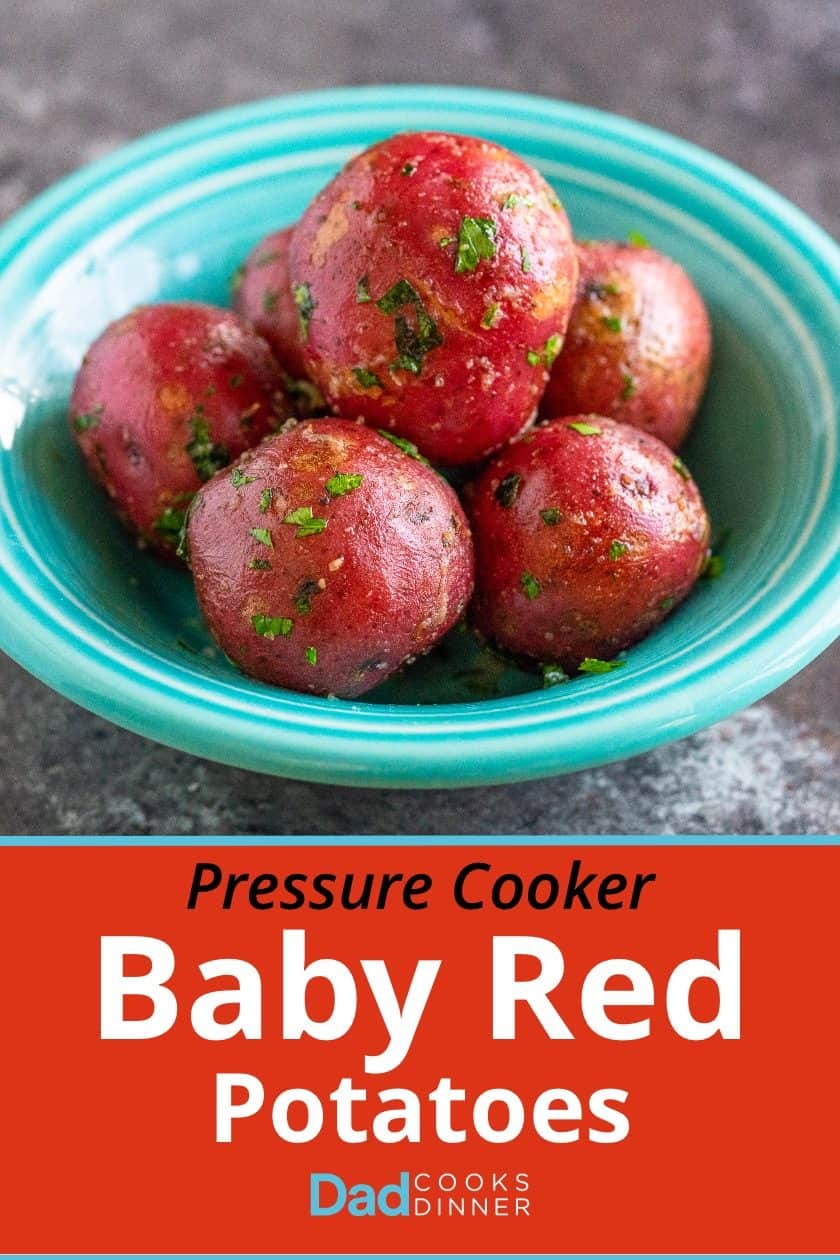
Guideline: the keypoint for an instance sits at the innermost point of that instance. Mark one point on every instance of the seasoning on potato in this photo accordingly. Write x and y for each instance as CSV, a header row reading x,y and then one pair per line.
x,y
433,278
165,397
638,343
329,557
587,534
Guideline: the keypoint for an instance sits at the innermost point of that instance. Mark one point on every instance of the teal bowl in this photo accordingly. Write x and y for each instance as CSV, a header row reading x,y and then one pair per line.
x,y
172,215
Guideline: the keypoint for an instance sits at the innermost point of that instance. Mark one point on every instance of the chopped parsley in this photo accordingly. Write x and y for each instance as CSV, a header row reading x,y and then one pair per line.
x,y
265,499
679,467
312,653
476,240
667,603
585,429
236,380
238,478
408,169
170,523
366,378
343,483
591,665
306,523
507,490
534,358
260,564
207,457
407,447
530,585
446,240
525,259
262,536
363,290
548,354
713,565
510,201
612,322
413,344
87,419
618,549
305,304
488,319
636,238
552,675
270,627
551,516
269,301
307,395
628,386
306,592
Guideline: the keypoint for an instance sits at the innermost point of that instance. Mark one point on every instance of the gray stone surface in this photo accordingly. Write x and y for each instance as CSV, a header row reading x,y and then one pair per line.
x,y
755,80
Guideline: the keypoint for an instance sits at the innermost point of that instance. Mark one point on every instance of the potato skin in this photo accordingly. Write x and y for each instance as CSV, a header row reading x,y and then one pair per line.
x,y
459,365
263,295
638,344
388,573
164,397
602,535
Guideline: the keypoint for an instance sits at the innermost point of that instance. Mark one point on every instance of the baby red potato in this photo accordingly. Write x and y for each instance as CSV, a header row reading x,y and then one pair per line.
x,y
587,533
263,295
638,344
328,557
434,278
165,397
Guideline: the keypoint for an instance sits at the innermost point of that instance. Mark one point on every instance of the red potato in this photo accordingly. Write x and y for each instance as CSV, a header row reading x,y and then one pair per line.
x,y
638,344
327,558
165,397
587,533
434,278
263,295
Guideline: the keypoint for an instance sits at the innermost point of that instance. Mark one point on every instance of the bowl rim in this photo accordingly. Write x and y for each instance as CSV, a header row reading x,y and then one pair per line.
x,y
377,745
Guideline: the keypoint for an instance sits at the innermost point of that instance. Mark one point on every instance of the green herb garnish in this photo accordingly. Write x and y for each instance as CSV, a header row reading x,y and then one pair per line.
x,y
534,358
628,386
306,523
305,304
552,675
170,523
591,665
363,290
312,655
265,499
551,516
260,564
507,490
679,467
236,380
612,322
207,457
87,419
413,344
407,447
525,259
636,238
343,483
510,201
366,378
552,348
585,429
408,169
270,627
489,316
617,549
306,592
530,585
263,536
475,241
238,478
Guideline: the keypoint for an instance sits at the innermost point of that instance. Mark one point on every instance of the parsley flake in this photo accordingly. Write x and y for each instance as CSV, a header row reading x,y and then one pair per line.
x,y
87,419
507,490
585,430
407,447
170,523
530,585
618,549
265,499
343,483
636,238
551,515
534,358
363,290
306,592
263,536
306,523
628,386
270,627
238,478
525,259
312,655
236,380
591,665
207,457
510,201
305,304
260,564
408,169
612,322
553,674
476,240
488,319
413,344
366,378
679,467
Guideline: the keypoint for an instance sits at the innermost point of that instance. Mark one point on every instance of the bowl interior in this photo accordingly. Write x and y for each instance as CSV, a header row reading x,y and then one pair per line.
x,y
176,225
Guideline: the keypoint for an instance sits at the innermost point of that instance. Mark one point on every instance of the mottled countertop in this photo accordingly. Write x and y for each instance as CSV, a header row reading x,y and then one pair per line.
x,y
754,80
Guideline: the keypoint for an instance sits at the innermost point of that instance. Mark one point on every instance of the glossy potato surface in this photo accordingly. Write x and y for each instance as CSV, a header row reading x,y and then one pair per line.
x,y
165,397
638,344
434,277
587,533
327,558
